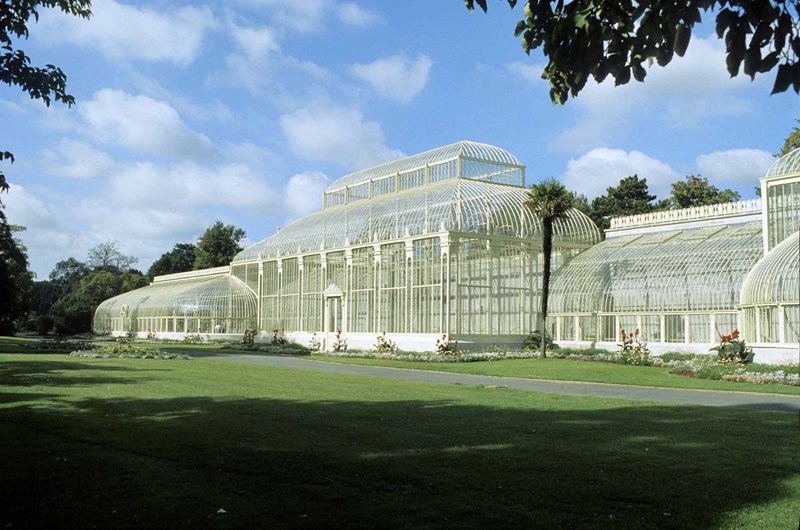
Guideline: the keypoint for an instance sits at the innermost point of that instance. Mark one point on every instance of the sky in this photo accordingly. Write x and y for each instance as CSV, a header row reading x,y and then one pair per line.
x,y
243,111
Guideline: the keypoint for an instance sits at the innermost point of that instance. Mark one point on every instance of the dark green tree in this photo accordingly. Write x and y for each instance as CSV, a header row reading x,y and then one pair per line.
x,y
587,38
16,281
67,276
550,201
630,197
695,190
179,259
218,245
46,84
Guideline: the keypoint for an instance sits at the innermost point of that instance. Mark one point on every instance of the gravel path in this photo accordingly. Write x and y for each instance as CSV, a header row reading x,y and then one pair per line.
x,y
711,398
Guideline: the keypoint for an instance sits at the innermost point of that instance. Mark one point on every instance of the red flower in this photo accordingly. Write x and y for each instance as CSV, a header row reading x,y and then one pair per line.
x,y
636,332
735,334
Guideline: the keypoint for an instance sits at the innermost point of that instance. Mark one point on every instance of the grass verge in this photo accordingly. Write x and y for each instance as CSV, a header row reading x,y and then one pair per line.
x,y
584,371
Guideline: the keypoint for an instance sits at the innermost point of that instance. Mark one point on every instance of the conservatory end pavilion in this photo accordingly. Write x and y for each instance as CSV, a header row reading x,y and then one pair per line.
x,y
436,243
441,243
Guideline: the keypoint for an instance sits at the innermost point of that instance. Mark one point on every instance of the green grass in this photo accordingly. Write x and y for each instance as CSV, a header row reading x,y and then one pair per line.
x,y
147,443
566,370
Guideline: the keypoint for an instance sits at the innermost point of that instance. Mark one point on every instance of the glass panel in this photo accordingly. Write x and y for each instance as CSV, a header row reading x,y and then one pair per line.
x,y
675,330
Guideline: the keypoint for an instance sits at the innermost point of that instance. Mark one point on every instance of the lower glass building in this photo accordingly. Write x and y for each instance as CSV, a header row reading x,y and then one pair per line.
x,y
442,243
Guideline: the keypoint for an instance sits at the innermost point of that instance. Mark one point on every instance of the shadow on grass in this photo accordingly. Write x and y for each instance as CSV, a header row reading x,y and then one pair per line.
x,y
51,373
361,464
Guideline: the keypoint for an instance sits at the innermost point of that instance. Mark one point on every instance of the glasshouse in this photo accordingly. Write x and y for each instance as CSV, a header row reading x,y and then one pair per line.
x,y
441,243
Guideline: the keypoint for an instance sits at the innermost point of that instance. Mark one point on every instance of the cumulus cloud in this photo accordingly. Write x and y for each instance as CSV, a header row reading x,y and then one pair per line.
x,y
735,166
395,77
142,124
303,193
122,31
255,42
75,160
311,16
335,134
600,168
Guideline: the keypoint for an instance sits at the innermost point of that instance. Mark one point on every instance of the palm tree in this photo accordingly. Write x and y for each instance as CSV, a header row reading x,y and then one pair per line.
x,y
550,201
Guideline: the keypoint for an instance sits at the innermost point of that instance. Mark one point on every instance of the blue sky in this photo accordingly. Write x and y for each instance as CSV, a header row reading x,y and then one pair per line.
x,y
242,111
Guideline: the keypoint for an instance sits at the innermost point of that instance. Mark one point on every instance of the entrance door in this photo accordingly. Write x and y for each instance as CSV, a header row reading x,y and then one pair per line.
x,y
333,314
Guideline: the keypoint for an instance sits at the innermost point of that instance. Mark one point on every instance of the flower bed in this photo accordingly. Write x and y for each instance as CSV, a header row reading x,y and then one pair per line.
x,y
127,352
61,344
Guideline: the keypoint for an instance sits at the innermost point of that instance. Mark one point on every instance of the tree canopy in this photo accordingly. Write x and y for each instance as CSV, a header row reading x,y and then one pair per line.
x,y
217,246
107,256
587,38
695,190
179,259
792,141
630,197
46,83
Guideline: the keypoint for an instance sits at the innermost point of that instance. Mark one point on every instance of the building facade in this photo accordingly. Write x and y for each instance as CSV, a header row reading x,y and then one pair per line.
x,y
441,243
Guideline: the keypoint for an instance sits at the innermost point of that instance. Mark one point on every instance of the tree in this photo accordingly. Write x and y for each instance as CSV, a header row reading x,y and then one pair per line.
x,y
179,259
550,201
695,190
67,275
45,84
587,38
792,141
218,245
630,197
16,281
107,256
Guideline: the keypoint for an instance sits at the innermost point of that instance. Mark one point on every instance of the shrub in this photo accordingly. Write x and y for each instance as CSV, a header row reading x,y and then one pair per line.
x,y
314,344
383,344
632,350
44,324
676,356
277,339
533,342
249,336
340,344
733,350
195,338
445,345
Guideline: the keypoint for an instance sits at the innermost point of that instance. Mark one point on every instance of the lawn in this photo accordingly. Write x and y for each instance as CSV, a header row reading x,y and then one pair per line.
x,y
214,443
567,370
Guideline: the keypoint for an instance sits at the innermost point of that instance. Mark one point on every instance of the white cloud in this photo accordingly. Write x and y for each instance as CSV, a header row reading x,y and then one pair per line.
x,y
395,77
600,168
255,42
335,134
355,15
735,166
122,31
304,17
188,184
531,73
686,94
303,193
142,124
75,160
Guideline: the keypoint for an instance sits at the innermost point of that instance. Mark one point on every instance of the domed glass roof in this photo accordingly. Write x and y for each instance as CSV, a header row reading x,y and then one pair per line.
x,y
456,205
787,165
776,277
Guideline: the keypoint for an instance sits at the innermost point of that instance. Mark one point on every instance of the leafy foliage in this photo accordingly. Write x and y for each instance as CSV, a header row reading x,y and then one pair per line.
x,y
587,38
632,196
695,190
179,259
16,281
533,342
46,84
732,349
218,245
791,142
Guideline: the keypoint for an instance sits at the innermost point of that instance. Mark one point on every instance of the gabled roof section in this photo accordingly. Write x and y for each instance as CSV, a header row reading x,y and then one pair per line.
x,y
463,149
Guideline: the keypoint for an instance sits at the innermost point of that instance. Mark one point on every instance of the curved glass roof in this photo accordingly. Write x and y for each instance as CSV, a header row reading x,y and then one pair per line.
x,y
215,297
463,149
776,277
700,269
456,205
788,164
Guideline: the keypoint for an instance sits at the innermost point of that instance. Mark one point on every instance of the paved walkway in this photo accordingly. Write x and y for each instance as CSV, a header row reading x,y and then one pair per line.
x,y
711,398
